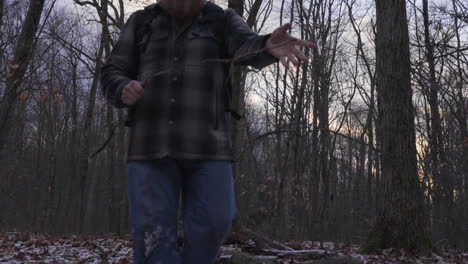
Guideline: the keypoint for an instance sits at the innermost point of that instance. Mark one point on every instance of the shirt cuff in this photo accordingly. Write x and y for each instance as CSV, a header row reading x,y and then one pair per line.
x,y
118,95
265,58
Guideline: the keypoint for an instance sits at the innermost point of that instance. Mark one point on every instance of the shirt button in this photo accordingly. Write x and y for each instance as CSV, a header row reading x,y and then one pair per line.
x,y
171,122
176,58
172,100
174,78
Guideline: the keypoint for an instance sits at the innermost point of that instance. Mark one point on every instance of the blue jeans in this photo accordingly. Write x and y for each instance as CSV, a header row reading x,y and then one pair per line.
x,y
209,206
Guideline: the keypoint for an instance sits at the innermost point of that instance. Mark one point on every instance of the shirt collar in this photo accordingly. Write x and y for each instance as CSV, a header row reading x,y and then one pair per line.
x,y
157,8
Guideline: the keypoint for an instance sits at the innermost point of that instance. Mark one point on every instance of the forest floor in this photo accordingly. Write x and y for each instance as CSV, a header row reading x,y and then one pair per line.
x,y
31,248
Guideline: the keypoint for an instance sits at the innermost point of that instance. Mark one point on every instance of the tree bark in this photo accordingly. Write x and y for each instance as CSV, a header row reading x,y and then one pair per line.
x,y
252,19
370,114
1,13
23,51
442,187
401,217
462,113
2,3
238,95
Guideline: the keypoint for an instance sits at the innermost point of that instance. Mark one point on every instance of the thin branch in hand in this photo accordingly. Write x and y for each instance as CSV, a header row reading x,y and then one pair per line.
x,y
245,56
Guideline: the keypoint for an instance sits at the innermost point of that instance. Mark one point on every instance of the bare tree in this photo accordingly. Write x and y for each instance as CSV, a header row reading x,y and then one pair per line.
x,y
401,221
23,51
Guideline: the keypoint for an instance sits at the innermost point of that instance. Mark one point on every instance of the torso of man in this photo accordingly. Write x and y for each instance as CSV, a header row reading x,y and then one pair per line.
x,y
181,23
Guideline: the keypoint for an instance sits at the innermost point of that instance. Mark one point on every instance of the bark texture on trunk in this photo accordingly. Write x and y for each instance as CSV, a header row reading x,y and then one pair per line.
x,y
401,218
443,187
23,51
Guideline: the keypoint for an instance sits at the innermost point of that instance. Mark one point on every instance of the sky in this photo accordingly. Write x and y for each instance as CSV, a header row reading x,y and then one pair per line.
x,y
132,6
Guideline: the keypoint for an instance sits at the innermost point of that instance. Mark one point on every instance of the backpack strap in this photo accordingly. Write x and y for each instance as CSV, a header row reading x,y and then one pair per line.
x,y
144,20
217,14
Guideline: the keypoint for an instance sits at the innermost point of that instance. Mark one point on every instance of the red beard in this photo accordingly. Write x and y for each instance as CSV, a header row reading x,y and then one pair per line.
x,y
182,8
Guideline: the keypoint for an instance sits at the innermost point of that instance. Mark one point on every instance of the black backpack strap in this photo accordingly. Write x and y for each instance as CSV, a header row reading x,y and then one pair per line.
x,y
143,21
217,14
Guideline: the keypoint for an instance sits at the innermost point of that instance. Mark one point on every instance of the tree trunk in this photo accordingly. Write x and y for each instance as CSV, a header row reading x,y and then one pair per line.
x,y
23,51
84,166
401,218
442,188
238,95
370,114
370,152
2,3
462,114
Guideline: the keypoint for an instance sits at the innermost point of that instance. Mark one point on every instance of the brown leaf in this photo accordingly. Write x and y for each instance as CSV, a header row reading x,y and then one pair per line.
x,y
262,188
20,256
44,97
23,96
443,164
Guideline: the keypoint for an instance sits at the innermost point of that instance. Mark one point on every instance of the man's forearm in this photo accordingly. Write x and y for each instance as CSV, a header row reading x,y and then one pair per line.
x,y
113,82
254,53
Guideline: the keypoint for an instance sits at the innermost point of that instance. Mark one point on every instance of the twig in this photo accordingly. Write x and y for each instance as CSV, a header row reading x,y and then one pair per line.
x,y
115,124
111,134
265,240
162,72
281,130
243,57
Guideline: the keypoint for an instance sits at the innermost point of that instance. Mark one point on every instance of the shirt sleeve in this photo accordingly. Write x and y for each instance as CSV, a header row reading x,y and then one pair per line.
x,y
244,44
121,64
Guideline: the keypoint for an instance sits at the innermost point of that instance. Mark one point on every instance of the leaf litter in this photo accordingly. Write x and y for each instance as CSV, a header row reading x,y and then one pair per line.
x,y
29,248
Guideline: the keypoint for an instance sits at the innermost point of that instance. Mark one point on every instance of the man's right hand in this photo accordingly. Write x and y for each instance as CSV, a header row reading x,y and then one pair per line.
x,y
133,91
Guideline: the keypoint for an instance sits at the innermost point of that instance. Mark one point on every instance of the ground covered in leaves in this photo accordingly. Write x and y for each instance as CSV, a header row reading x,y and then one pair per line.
x,y
41,248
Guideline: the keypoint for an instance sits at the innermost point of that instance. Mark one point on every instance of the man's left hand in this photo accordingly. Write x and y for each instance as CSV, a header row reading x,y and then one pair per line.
x,y
287,52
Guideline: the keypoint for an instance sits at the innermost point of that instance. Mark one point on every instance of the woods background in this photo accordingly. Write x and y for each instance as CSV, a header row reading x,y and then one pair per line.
x,y
308,153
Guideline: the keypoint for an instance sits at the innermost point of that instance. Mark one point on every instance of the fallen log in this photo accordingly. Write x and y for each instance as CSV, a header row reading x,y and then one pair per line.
x,y
336,260
245,258
262,241
309,254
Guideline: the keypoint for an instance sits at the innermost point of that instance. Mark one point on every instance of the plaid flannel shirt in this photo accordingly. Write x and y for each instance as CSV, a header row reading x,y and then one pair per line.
x,y
182,112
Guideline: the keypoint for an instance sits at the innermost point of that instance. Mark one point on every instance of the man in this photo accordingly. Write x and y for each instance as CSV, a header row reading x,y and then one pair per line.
x,y
169,72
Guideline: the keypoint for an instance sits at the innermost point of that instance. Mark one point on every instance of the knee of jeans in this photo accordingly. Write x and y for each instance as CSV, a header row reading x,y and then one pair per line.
x,y
155,237
220,226
152,240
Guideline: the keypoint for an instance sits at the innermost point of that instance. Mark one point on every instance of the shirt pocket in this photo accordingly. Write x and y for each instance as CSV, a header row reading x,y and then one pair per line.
x,y
206,43
198,33
155,46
